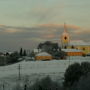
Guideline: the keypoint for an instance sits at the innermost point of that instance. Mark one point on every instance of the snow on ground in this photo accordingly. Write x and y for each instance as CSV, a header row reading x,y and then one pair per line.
x,y
38,69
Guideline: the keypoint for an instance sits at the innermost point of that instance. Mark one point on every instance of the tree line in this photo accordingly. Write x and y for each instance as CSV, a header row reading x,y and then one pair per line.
x,y
52,48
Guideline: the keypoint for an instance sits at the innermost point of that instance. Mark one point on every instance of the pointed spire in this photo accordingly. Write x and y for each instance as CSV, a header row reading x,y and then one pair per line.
x,y
65,28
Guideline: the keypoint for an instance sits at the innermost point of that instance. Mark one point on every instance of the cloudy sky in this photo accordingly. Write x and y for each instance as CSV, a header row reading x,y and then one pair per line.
x,y
26,23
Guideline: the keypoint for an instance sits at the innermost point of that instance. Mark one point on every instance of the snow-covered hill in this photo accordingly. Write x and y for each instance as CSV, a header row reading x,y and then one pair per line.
x,y
37,69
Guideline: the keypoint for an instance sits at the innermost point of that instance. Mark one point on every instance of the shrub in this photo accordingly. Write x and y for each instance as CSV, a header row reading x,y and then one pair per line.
x,y
72,74
13,58
17,86
46,84
85,66
83,84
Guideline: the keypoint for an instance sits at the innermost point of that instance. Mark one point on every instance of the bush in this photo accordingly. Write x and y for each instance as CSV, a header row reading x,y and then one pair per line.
x,y
3,60
46,84
83,84
13,58
85,67
17,86
74,72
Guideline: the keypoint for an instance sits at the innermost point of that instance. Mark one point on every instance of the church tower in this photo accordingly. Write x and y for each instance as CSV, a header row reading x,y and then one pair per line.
x,y
65,37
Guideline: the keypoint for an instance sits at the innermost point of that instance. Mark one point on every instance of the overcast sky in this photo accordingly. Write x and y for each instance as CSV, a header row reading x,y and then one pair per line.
x,y
25,23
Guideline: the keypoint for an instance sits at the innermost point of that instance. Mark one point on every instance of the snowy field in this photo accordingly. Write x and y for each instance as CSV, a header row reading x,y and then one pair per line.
x,y
34,70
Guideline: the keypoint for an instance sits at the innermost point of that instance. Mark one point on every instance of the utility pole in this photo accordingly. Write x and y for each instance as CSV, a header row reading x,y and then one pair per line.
x,y
19,72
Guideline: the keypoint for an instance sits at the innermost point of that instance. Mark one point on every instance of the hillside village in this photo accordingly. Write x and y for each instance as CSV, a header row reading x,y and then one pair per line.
x,y
49,50
38,50
50,63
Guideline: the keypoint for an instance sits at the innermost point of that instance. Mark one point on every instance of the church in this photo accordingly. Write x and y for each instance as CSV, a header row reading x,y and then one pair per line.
x,y
67,44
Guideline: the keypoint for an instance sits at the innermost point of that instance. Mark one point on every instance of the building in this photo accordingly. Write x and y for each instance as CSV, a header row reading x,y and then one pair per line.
x,y
80,45
43,56
73,52
67,43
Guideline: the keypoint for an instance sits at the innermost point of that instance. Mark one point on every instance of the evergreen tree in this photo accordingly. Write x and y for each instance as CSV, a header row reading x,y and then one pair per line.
x,y
21,52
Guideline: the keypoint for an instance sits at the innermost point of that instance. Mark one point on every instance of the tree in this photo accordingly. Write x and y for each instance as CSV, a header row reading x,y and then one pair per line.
x,y
53,49
48,46
85,66
40,46
13,57
83,83
3,60
21,52
72,74
59,55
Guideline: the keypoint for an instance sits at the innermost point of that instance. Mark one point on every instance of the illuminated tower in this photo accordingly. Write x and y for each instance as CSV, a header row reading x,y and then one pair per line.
x,y
65,38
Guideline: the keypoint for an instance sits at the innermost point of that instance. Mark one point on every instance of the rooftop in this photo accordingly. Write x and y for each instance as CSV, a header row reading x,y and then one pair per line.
x,y
43,54
79,42
71,50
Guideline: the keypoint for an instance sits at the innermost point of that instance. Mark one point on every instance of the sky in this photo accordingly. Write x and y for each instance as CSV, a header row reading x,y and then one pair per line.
x,y
26,23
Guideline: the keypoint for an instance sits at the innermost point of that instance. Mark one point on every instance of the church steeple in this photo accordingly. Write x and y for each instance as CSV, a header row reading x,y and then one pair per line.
x,y
65,38
65,28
